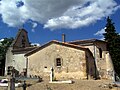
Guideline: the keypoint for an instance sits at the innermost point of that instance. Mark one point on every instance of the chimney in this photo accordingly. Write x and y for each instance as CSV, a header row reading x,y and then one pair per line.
x,y
63,37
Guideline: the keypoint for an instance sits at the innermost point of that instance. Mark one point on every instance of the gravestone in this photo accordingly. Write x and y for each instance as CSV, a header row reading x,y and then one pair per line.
x,y
51,74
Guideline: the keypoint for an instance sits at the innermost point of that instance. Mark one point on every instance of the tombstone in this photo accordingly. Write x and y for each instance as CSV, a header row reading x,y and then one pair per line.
x,y
51,74
11,83
24,85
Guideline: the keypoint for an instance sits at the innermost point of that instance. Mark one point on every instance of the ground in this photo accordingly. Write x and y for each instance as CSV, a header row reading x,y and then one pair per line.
x,y
77,85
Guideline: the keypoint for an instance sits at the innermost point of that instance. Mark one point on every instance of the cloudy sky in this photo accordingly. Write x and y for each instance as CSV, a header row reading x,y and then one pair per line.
x,y
46,20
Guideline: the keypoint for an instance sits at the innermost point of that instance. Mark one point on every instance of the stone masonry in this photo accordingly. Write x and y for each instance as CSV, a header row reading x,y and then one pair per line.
x,y
74,62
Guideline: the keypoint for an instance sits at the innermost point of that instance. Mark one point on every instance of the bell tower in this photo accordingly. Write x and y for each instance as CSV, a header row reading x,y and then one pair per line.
x,y
21,40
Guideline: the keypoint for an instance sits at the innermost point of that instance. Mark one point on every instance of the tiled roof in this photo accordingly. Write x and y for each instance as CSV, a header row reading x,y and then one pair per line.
x,y
23,50
57,42
86,41
17,36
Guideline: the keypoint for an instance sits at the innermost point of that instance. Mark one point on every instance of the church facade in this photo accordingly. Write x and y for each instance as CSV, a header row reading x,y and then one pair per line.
x,y
67,60
15,53
80,59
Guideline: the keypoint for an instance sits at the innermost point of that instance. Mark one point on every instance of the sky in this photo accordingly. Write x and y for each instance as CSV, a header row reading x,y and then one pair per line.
x,y
47,20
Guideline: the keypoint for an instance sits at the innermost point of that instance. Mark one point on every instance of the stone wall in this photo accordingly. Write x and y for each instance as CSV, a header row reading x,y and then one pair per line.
x,y
104,64
18,61
73,62
9,59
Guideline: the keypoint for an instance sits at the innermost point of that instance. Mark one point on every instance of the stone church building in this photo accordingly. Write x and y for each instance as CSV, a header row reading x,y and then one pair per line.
x,y
80,59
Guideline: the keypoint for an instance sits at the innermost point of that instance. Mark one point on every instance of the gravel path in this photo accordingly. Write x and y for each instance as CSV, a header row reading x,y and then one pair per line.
x,y
77,85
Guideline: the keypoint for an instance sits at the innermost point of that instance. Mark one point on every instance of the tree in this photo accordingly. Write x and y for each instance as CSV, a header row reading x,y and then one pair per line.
x,y
113,40
4,44
110,31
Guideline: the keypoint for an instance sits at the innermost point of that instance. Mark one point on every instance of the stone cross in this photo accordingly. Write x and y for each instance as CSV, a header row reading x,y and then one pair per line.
x,y
51,74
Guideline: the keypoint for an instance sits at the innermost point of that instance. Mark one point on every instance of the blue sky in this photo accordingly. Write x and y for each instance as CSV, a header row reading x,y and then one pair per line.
x,y
46,20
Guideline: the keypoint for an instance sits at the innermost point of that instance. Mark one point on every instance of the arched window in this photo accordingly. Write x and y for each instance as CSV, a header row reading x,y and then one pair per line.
x,y
58,62
100,52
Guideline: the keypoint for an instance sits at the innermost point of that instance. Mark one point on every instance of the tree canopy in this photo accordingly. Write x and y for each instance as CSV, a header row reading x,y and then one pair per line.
x,y
4,44
113,40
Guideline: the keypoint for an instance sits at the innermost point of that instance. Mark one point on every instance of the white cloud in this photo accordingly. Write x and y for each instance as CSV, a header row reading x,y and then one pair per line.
x,y
100,32
1,40
56,14
84,16
34,25
35,44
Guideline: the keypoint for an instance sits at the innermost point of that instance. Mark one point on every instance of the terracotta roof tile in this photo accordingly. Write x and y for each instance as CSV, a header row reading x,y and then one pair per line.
x,y
23,50
86,41
56,42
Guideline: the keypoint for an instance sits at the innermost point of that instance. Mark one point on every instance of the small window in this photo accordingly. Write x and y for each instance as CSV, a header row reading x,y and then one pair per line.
x,y
45,66
100,52
58,62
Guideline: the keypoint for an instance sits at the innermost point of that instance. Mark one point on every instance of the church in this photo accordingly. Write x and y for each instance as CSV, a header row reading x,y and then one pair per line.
x,y
79,59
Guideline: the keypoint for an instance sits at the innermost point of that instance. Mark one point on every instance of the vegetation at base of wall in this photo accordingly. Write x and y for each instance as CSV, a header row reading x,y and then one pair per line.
x,y
113,40
54,79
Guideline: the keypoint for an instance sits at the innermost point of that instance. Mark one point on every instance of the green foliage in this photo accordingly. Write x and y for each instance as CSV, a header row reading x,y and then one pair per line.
x,y
113,40
3,49
4,46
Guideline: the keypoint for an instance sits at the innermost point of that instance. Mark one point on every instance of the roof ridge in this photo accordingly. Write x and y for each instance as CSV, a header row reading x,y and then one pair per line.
x,y
57,42
73,44
82,40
